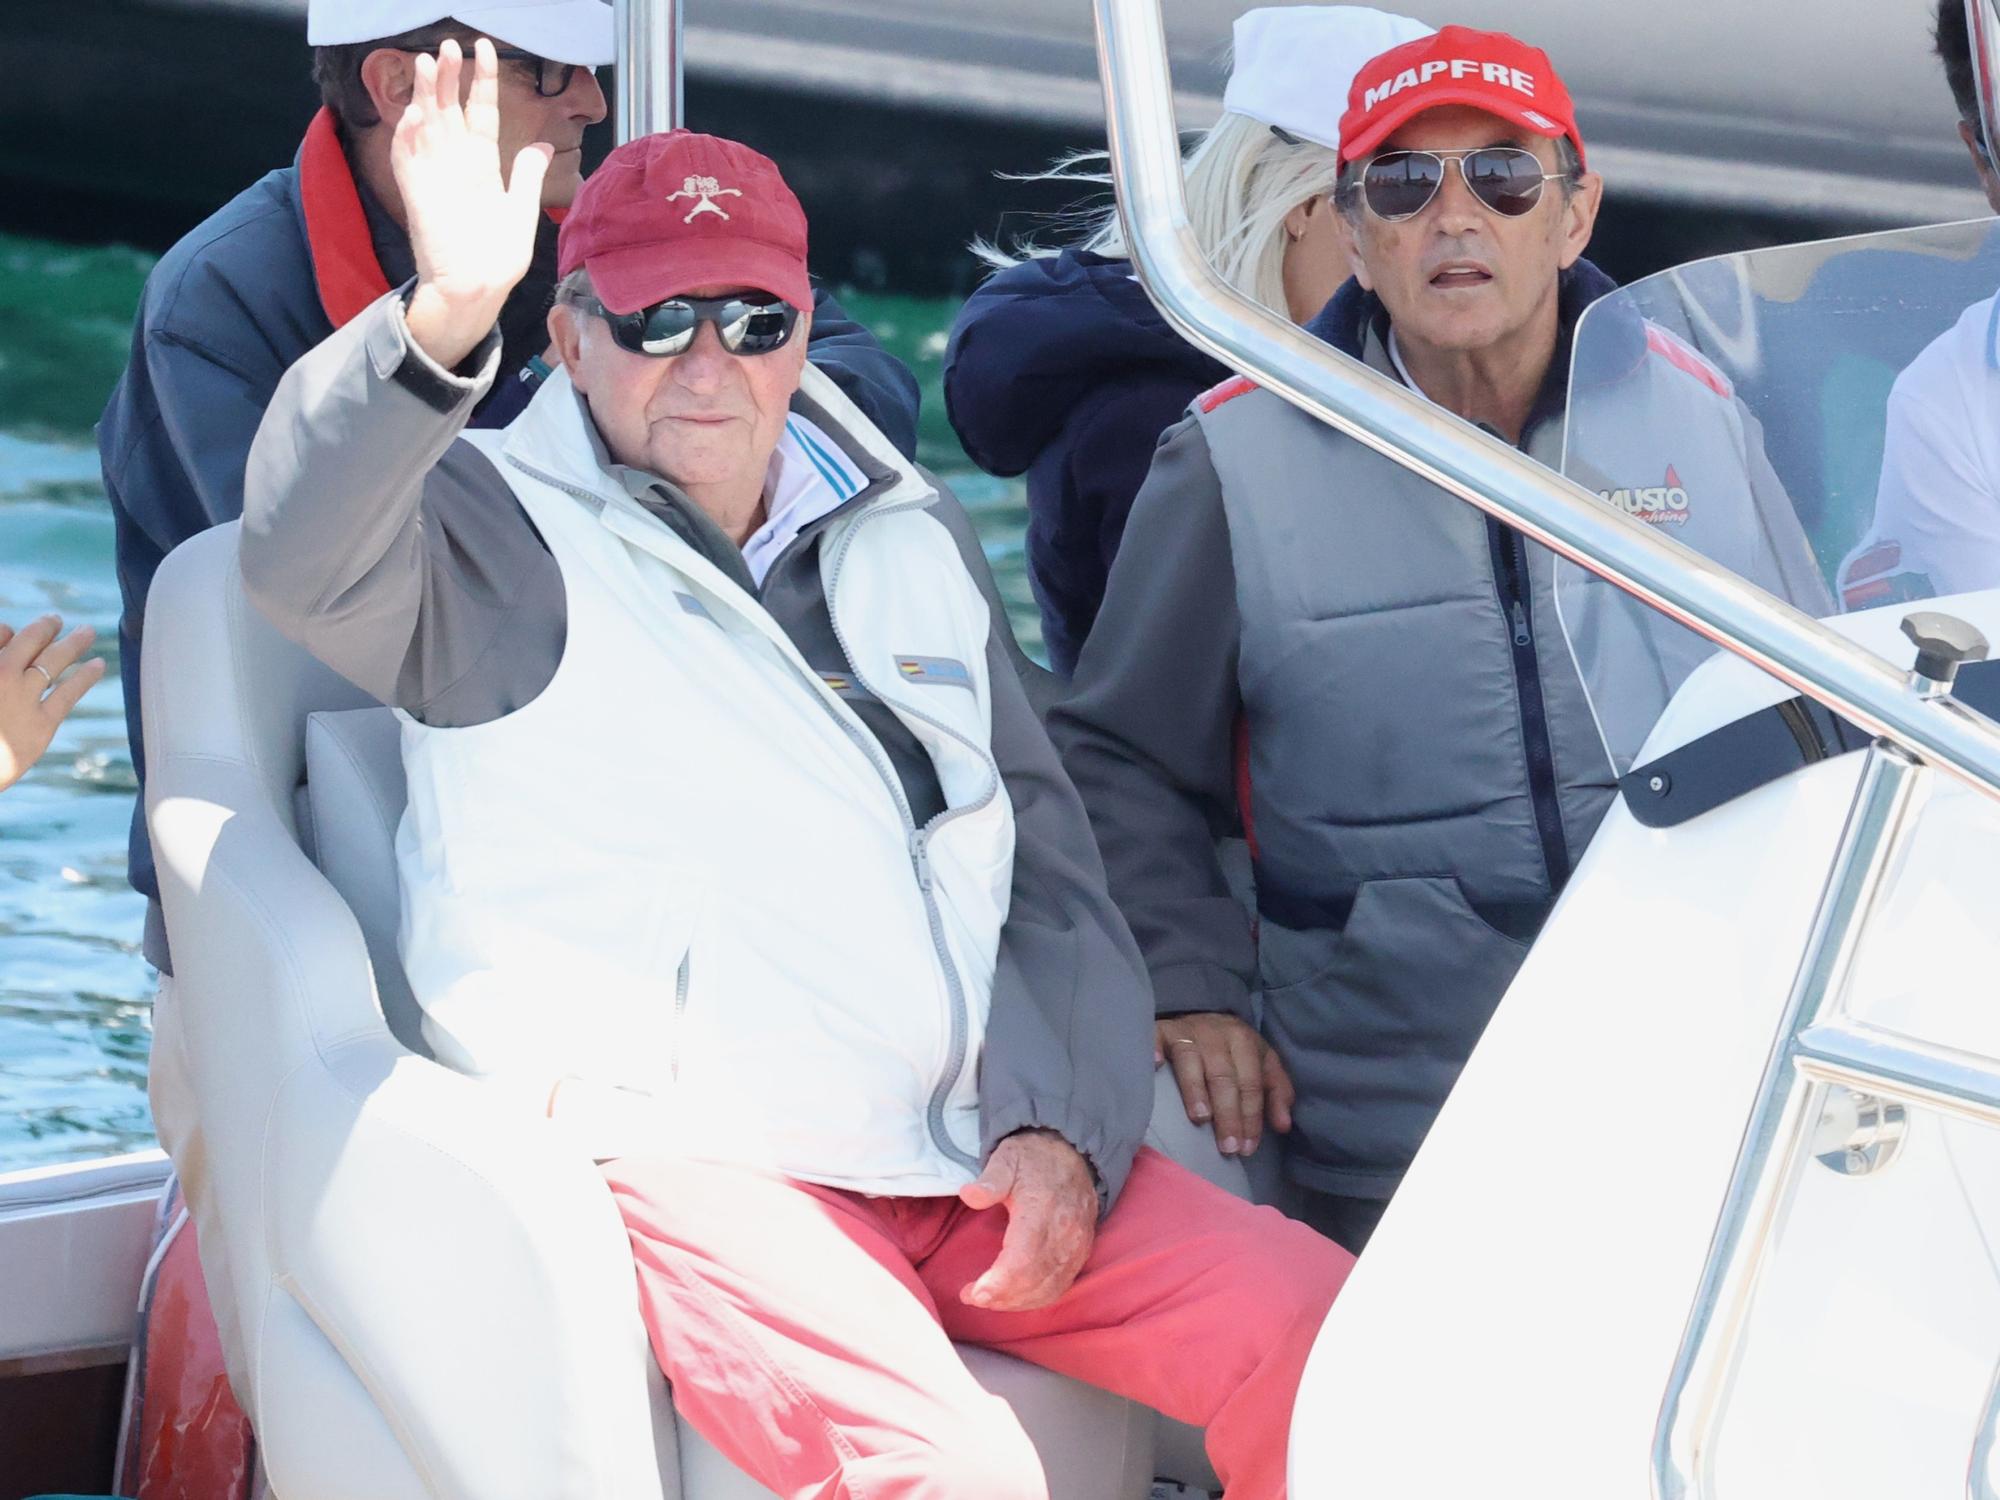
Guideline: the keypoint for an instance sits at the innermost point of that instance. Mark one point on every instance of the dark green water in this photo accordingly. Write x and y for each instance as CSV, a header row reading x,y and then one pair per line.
x,y
74,992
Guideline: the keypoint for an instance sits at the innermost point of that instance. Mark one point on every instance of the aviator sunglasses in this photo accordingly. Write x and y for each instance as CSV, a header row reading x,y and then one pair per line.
x,y
668,328
1401,184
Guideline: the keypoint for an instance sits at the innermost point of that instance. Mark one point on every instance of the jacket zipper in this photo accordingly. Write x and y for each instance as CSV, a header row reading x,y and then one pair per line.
x,y
1510,571
680,1013
919,844
917,839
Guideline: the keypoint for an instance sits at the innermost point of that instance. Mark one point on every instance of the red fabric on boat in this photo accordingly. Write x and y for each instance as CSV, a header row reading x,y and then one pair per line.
x,y
194,1442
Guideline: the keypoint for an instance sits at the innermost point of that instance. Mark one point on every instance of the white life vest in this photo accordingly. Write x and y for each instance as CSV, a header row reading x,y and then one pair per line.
x,y
685,875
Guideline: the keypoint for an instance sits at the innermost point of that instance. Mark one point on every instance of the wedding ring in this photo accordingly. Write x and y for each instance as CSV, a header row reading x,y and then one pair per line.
x,y
35,666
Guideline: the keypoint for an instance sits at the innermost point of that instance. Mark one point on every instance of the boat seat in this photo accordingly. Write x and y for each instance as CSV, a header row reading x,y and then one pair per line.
x,y
420,1294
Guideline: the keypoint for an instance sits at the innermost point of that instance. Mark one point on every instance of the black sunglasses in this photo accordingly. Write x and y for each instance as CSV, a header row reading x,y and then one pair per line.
x,y
552,79
668,328
1401,184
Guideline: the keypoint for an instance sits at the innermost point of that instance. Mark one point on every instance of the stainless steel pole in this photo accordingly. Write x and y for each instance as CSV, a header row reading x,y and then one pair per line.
x,y
1826,666
1777,1145
1981,1480
651,93
1945,1080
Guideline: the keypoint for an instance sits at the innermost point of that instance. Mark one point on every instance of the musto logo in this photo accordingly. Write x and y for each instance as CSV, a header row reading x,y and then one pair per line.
x,y
1661,505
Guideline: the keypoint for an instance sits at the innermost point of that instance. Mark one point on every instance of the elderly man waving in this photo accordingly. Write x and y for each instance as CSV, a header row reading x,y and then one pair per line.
x,y
734,847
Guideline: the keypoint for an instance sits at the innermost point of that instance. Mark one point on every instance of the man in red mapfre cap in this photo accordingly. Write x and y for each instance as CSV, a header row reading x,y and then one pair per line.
x,y
1304,642
734,850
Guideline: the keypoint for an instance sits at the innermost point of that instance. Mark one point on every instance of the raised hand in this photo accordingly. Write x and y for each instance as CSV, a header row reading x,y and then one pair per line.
x,y
35,697
471,231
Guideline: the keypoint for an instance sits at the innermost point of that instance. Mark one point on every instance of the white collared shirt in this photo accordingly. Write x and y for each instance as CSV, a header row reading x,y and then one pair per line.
x,y
809,477
1937,506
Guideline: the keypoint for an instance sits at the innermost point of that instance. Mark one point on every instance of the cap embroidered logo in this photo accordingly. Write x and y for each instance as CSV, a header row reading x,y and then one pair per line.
x,y
667,215
1485,70
707,189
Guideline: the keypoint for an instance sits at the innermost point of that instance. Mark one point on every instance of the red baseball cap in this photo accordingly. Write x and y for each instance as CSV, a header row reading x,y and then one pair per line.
x,y
1488,70
668,213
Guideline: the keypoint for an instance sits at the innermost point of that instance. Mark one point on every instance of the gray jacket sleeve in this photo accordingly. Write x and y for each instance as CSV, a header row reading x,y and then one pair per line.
x,y
1148,733
1069,1034
394,554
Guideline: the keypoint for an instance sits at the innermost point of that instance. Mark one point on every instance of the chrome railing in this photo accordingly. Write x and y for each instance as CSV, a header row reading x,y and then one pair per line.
x,y
1817,1050
651,67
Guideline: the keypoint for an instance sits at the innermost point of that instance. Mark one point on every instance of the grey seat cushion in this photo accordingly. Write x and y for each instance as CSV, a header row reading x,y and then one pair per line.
x,y
354,795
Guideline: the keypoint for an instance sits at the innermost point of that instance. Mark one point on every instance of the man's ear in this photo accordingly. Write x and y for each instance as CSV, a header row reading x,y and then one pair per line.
x,y
391,80
566,337
1580,216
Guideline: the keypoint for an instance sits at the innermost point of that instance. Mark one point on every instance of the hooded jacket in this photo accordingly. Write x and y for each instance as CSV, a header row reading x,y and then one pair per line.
x,y
1060,368
1305,644
231,307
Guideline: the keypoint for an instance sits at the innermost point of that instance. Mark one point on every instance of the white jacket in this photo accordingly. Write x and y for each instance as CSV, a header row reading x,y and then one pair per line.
x,y
685,878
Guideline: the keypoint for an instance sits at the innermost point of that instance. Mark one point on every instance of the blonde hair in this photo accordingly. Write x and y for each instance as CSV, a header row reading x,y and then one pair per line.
x,y
1242,179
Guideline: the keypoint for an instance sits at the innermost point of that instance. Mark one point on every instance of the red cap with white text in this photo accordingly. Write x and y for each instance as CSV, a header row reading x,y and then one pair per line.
x,y
1487,70
668,214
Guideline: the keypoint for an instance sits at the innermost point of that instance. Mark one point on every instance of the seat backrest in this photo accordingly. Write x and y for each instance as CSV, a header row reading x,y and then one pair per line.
x,y
358,1209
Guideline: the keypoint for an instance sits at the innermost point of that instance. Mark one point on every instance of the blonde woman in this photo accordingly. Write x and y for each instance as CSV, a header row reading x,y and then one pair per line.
x,y
35,696
1060,368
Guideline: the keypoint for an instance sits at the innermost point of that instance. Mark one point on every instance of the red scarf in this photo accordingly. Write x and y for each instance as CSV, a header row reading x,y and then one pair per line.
x,y
342,249
343,252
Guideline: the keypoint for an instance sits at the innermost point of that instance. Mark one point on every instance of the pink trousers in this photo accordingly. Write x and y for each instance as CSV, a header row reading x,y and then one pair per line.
x,y
807,1331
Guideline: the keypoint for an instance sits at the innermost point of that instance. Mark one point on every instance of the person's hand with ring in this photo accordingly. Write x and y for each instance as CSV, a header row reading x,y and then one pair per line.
x,y
1228,1074
35,696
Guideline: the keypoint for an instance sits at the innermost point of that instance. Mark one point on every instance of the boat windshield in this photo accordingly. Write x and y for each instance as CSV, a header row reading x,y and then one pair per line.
x,y
1745,405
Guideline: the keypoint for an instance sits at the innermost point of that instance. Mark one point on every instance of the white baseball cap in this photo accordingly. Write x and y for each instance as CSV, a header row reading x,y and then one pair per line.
x,y
1295,63
569,31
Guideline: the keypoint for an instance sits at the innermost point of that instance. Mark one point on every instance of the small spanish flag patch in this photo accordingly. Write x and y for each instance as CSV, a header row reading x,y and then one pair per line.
x,y
939,671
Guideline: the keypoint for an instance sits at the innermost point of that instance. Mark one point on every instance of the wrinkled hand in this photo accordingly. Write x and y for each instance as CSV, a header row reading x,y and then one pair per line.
x,y
472,233
1051,1205
30,708
1227,1073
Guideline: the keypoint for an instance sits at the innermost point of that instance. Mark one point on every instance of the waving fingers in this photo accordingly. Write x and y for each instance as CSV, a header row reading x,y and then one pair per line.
x,y
482,105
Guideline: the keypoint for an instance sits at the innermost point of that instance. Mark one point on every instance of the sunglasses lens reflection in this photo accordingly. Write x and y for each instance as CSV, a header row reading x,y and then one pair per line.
x,y
1507,181
669,328
1398,185
1401,184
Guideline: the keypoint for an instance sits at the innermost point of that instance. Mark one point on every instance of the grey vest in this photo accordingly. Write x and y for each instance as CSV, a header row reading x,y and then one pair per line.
x,y
1422,769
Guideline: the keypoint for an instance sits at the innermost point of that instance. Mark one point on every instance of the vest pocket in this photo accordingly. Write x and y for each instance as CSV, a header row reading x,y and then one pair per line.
x,y
1375,1020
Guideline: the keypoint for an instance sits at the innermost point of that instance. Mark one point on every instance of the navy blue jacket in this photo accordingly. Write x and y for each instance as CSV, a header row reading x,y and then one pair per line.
x,y
1060,368
229,309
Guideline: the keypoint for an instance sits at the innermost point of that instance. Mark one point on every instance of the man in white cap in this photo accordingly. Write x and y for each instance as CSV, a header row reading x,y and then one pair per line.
x,y
286,262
